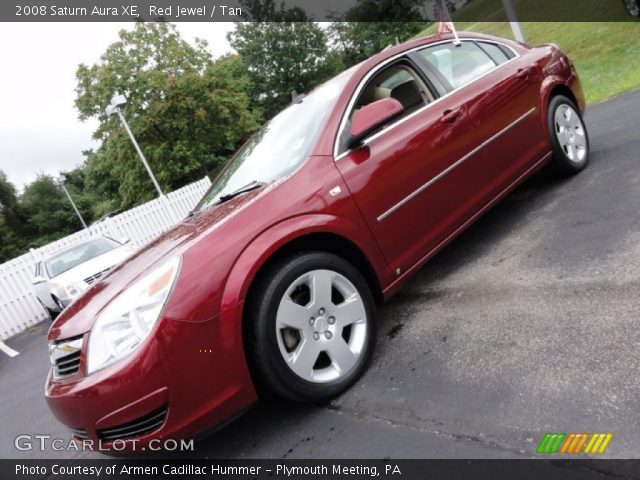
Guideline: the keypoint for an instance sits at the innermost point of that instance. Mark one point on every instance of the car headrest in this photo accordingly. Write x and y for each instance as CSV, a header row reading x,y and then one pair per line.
x,y
407,94
381,92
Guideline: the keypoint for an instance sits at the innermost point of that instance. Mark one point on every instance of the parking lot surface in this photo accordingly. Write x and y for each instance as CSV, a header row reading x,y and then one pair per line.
x,y
525,324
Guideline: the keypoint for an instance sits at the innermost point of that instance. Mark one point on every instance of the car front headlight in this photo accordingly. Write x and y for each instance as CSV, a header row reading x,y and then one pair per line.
x,y
73,290
128,319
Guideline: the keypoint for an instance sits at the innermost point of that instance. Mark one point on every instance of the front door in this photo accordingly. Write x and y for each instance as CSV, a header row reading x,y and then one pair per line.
x,y
404,177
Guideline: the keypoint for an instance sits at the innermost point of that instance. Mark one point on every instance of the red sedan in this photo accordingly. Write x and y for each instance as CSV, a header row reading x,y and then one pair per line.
x,y
270,286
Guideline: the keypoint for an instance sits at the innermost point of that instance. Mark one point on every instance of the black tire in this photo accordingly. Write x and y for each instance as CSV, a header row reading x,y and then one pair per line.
x,y
269,369
52,313
562,164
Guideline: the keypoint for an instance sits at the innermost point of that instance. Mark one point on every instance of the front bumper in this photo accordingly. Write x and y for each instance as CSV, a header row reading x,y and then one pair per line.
x,y
186,378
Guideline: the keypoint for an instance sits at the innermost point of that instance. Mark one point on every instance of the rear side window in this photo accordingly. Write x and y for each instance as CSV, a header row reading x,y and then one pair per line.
x,y
459,65
497,54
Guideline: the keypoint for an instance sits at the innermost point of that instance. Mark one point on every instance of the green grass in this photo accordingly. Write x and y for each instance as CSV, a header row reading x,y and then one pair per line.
x,y
543,10
606,54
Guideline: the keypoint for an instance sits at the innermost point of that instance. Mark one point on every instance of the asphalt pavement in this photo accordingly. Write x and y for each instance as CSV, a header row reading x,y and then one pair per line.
x,y
525,324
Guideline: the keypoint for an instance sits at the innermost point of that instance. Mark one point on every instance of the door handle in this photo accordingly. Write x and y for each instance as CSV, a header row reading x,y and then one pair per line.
x,y
450,116
523,73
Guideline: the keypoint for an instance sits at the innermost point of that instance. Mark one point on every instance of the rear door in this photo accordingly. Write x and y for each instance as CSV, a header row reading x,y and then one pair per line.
x,y
500,92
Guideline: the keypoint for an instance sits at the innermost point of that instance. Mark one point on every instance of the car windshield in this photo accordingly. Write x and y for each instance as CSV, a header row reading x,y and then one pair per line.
x,y
280,146
74,256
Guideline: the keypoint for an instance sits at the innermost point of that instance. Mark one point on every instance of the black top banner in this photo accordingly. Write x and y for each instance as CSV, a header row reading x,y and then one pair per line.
x,y
318,10
321,469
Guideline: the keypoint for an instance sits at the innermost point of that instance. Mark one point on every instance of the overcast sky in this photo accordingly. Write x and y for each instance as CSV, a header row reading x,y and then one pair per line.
x,y
39,126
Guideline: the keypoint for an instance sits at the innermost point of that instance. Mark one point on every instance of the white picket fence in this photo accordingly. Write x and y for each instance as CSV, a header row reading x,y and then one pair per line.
x,y
19,307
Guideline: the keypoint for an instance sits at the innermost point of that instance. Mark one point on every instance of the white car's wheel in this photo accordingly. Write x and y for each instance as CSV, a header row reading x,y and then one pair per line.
x,y
53,314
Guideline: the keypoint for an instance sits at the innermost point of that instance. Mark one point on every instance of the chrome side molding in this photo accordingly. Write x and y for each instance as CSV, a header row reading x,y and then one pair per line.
x,y
453,166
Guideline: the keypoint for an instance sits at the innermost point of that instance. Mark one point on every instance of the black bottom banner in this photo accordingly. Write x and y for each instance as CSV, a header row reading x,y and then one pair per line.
x,y
333,469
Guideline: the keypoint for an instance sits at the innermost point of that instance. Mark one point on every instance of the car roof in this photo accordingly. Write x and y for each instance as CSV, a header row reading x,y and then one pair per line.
x,y
403,47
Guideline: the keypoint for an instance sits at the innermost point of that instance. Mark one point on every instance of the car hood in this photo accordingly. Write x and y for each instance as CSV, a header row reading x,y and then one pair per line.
x,y
91,267
79,317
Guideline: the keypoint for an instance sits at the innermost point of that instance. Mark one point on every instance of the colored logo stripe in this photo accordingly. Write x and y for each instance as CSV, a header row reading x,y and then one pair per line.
x,y
598,443
573,443
550,443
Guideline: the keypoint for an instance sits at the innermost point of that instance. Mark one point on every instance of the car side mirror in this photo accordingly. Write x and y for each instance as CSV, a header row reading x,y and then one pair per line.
x,y
371,117
36,280
125,240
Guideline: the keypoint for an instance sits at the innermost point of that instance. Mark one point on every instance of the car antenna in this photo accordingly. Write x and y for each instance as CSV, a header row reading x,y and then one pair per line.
x,y
445,24
296,98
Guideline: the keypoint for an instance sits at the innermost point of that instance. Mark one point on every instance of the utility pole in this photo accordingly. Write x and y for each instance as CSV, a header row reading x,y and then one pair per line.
x,y
60,182
513,20
114,108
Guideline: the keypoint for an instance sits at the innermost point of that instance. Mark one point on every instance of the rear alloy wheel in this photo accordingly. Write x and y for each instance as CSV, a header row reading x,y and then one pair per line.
x,y
569,138
311,327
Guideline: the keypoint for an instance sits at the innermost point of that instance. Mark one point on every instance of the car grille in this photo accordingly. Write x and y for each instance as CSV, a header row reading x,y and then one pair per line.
x,y
65,357
68,365
79,432
136,428
96,276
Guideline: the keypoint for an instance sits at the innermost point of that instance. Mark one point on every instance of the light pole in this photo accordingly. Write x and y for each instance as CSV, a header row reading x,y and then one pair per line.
x,y
114,108
513,20
60,182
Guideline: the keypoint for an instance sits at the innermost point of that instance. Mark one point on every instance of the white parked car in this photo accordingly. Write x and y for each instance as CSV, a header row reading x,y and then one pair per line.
x,y
63,276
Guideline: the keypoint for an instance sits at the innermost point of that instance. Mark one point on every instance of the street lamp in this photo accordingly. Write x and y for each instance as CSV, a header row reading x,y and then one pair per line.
x,y
60,182
513,20
114,108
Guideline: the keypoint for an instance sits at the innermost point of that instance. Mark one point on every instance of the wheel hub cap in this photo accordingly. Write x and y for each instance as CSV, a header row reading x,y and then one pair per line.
x,y
321,325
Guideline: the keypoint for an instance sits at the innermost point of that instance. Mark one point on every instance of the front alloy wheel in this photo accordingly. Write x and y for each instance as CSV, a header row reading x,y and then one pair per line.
x,y
321,326
310,327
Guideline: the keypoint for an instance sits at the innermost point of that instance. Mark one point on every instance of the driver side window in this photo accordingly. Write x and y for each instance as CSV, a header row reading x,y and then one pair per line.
x,y
399,81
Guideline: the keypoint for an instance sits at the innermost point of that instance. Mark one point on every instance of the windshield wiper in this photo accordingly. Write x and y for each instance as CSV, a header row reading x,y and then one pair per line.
x,y
252,185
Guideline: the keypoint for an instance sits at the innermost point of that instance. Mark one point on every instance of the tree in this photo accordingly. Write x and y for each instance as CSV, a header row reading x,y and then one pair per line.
x,y
9,207
41,214
283,57
186,111
269,11
372,25
48,213
11,220
8,242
